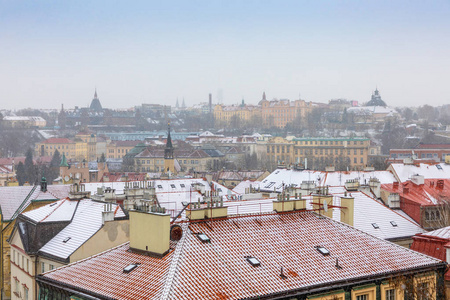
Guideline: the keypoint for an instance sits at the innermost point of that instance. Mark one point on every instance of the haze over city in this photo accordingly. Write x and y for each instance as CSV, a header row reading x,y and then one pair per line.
x,y
56,53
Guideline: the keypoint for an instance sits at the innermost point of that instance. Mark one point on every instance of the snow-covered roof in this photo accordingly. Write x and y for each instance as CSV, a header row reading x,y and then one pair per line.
x,y
295,178
86,216
240,188
367,211
404,172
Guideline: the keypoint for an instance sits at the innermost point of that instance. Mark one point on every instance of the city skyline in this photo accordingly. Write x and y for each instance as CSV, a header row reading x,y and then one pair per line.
x,y
58,53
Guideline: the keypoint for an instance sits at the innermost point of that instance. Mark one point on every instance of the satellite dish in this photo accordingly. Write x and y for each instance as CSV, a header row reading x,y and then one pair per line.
x,y
66,178
325,205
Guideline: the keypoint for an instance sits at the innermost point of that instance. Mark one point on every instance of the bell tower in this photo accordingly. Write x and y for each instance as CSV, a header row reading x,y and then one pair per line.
x,y
169,163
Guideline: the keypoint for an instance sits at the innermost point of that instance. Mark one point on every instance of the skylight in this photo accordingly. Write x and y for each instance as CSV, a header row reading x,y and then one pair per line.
x,y
253,261
172,186
130,267
66,239
322,250
159,186
439,167
393,223
182,185
375,225
203,238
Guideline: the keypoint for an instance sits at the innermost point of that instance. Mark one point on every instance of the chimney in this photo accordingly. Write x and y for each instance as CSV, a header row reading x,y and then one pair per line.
x,y
323,204
405,190
347,210
149,232
200,211
210,102
418,179
107,213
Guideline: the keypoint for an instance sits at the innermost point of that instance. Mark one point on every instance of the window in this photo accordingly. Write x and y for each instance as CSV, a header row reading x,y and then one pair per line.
x,y
324,251
203,238
253,261
362,297
182,185
375,225
355,160
423,291
390,294
51,267
393,224
172,186
42,267
28,265
25,293
16,285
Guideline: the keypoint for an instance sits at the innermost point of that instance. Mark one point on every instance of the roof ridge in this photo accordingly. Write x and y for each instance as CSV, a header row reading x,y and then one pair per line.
x,y
173,266
59,205
17,212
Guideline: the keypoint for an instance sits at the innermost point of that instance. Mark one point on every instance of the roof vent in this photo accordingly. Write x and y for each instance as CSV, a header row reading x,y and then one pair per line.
x,y
130,267
253,261
66,239
322,250
203,238
337,264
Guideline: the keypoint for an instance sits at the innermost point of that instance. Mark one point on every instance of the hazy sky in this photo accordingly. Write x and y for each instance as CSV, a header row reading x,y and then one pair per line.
x,y
57,52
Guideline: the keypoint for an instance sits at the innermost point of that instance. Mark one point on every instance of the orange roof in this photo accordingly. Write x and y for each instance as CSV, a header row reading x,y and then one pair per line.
x,y
220,269
432,192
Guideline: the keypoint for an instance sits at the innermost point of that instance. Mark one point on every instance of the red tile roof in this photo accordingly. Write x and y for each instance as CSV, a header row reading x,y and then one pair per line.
x,y
219,270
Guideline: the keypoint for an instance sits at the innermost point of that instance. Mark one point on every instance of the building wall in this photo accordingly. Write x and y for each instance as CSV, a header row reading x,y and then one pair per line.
x,y
112,234
356,150
7,228
45,149
279,113
223,115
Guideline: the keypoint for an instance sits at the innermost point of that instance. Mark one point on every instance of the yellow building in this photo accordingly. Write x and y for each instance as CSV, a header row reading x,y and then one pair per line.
x,y
278,151
63,145
38,246
277,113
20,198
226,115
118,149
337,152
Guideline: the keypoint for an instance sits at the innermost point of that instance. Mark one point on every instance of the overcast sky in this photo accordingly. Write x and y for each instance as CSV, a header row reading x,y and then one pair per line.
x,y
57,52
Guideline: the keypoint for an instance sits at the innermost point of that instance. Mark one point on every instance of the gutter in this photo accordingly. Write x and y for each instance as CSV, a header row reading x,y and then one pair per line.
x,y
70,288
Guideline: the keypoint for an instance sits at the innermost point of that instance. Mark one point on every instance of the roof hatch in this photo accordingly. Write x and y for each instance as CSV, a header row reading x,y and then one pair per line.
x,y
203,238
322,250
130,267
253,261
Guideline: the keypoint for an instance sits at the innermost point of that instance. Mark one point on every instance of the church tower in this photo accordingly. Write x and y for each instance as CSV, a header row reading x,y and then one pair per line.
x,y
169,162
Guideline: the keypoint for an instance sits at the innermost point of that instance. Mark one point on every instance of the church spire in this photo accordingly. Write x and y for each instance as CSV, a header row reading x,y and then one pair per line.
x,y
168,152
95,94
264,96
